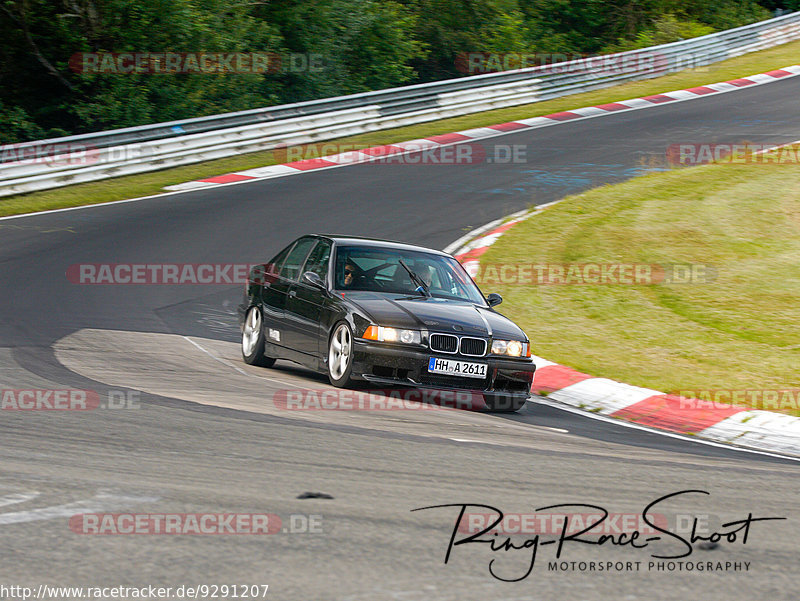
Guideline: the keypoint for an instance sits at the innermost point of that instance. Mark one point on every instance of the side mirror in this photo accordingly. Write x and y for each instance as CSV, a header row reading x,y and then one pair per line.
x,y
494,299
309,277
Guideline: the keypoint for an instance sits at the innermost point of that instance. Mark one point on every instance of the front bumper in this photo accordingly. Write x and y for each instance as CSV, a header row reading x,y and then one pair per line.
x,y
509,378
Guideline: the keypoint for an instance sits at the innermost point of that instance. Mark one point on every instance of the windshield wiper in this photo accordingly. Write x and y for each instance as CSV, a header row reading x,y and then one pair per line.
x,y
421,287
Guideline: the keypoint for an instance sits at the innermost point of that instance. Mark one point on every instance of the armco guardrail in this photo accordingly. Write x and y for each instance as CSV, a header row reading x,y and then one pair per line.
x,y
47,164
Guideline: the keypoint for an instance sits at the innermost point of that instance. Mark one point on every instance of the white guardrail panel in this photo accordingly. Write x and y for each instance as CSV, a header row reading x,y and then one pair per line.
x,y
59,162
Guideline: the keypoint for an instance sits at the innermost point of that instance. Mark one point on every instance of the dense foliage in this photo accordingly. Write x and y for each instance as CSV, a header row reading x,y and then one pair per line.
x,y
319,48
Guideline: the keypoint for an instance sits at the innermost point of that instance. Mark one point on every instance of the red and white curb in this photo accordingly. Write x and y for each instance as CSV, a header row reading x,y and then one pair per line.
x,y
766,431
367,155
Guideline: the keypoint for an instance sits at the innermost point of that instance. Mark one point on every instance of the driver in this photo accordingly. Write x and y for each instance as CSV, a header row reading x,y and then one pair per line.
x,y
425,272
350,272
427,275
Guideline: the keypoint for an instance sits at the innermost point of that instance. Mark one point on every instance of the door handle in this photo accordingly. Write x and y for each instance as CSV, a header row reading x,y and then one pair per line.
x,y
292,293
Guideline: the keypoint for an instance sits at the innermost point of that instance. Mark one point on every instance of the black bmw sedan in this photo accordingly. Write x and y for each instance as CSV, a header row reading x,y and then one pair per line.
x,y
384,312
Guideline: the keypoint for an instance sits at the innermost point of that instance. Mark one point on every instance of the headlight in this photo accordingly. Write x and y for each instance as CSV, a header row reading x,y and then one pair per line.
x,y
383,334
512,348
408,336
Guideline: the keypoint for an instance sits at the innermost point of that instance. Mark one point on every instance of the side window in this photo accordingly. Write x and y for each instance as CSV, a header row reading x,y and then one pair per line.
x,y
274,266
294,260
318,260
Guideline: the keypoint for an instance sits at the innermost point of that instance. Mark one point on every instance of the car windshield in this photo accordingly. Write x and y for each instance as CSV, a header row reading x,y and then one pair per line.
x,y
378,269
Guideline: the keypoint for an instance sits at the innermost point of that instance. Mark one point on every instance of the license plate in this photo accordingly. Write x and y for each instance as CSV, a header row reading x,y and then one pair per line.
x,y
456,368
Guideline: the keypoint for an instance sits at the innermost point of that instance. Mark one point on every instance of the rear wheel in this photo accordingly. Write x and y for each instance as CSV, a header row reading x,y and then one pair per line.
x,y
340,356
253,340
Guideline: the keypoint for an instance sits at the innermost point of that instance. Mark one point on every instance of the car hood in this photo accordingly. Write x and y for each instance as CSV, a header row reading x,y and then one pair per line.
x,y
435,315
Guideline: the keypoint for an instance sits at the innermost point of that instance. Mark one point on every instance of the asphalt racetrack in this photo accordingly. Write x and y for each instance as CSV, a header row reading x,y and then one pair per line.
x,y
202,435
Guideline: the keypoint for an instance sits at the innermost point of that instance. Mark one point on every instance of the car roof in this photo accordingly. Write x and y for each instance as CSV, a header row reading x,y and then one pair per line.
x,y
377,243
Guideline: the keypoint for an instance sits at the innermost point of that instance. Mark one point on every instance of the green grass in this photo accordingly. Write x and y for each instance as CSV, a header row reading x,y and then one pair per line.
x,y
740,331
154,182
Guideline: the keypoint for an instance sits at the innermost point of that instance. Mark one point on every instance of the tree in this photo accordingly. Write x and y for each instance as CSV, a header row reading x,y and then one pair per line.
x,y
336,47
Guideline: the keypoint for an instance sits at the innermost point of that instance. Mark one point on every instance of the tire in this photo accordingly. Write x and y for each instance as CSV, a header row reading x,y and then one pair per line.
x,y
253,339
340,355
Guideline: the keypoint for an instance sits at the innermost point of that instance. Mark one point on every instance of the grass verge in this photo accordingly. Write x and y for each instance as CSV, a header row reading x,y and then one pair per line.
x,y
734,329
153,183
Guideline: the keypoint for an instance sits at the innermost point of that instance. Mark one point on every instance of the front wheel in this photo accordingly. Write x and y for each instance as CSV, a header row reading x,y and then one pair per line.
x,y
340,356
253,340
